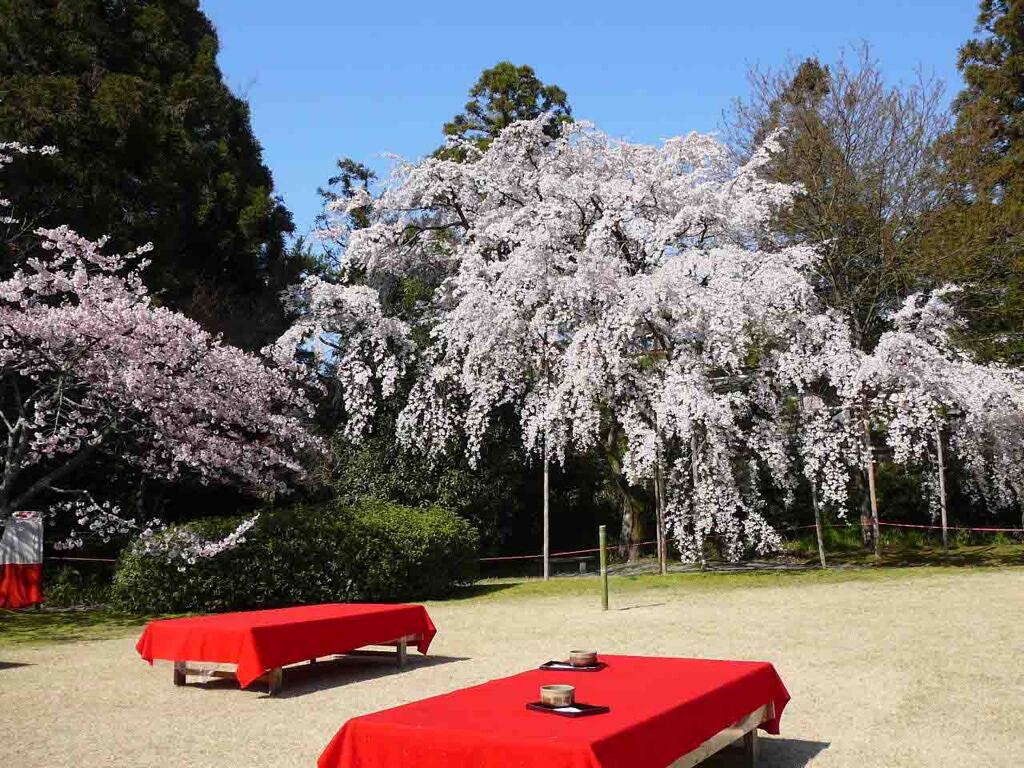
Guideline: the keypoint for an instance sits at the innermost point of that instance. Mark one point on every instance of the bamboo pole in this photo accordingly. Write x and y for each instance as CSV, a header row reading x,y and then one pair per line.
x,y
602,538
942,490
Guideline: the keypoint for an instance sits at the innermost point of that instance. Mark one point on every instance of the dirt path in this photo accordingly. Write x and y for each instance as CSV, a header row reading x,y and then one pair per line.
x,y
902,672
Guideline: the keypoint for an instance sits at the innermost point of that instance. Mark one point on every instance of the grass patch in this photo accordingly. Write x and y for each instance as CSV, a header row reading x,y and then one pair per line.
x,y
48,627
689,583
36,627
904,550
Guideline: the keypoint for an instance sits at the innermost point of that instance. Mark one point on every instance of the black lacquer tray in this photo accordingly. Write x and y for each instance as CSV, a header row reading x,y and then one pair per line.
x,y
565,666
579,709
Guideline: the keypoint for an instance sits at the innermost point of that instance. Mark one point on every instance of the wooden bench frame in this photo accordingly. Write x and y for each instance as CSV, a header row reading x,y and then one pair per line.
x,y
744,730
581,562
274,678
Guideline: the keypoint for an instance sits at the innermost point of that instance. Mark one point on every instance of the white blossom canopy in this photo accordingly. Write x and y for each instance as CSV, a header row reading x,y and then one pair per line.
x,y
581,279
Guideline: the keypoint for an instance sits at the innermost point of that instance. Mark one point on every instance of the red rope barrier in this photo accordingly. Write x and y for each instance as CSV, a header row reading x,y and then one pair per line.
x,y
797,528
925,527
952,528
554,554
641,544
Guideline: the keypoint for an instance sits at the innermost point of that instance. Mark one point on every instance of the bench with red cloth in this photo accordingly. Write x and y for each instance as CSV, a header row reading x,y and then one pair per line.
x,y
261,643
664,712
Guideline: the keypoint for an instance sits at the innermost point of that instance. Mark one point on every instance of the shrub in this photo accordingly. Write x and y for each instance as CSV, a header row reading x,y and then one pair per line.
x,y
79,585
370,551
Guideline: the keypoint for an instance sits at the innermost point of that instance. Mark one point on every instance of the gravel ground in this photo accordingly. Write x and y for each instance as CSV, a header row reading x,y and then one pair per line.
x,y
905,671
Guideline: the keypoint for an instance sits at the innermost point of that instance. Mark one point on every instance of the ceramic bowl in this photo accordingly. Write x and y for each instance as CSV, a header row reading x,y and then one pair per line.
x,y
583,658
557,695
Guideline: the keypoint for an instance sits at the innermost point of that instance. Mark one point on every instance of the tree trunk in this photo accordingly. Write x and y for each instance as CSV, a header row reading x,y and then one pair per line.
x,y
632,531
870,468
631,528
865,510
46,481
942,490
625,529
694,475
817,525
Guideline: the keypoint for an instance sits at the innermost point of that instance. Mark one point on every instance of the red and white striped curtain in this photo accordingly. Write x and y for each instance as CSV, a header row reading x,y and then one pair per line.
x,y
21,561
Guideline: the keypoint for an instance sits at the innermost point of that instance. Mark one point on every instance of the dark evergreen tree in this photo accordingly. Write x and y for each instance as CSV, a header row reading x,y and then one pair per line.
x,y
153,147
977,239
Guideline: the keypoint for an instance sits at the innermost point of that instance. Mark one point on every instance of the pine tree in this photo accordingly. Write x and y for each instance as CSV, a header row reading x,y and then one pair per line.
x,y
502,95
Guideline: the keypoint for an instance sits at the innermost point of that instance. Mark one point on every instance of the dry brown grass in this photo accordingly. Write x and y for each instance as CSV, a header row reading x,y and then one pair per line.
x,y
918,671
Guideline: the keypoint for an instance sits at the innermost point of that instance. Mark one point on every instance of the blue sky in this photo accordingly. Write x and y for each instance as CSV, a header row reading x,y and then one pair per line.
x,y
328,78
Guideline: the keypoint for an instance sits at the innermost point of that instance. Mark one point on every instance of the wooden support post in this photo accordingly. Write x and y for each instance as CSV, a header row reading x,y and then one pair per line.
x,y
751,748
602,538
869,449
659,515
179,673
547,514
942,490
817,525
400,647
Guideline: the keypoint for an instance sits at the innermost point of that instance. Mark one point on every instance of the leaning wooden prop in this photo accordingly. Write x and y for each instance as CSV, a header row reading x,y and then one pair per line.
x,y
21,561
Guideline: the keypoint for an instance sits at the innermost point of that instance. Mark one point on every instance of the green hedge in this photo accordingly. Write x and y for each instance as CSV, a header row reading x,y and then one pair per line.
x,y
372,551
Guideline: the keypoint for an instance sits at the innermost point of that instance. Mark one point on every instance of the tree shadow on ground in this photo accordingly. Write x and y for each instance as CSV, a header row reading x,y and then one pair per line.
x,y
46,626
478,590
304,679
775,753
908,555
640,605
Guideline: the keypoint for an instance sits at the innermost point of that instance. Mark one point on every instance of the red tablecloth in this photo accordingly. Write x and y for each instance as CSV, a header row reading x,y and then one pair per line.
x,y
260,640
661,708
21,585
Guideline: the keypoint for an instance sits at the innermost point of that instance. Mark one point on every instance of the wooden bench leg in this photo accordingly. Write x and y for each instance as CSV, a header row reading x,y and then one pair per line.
x,y
275,680
400,648
751,748
179,673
